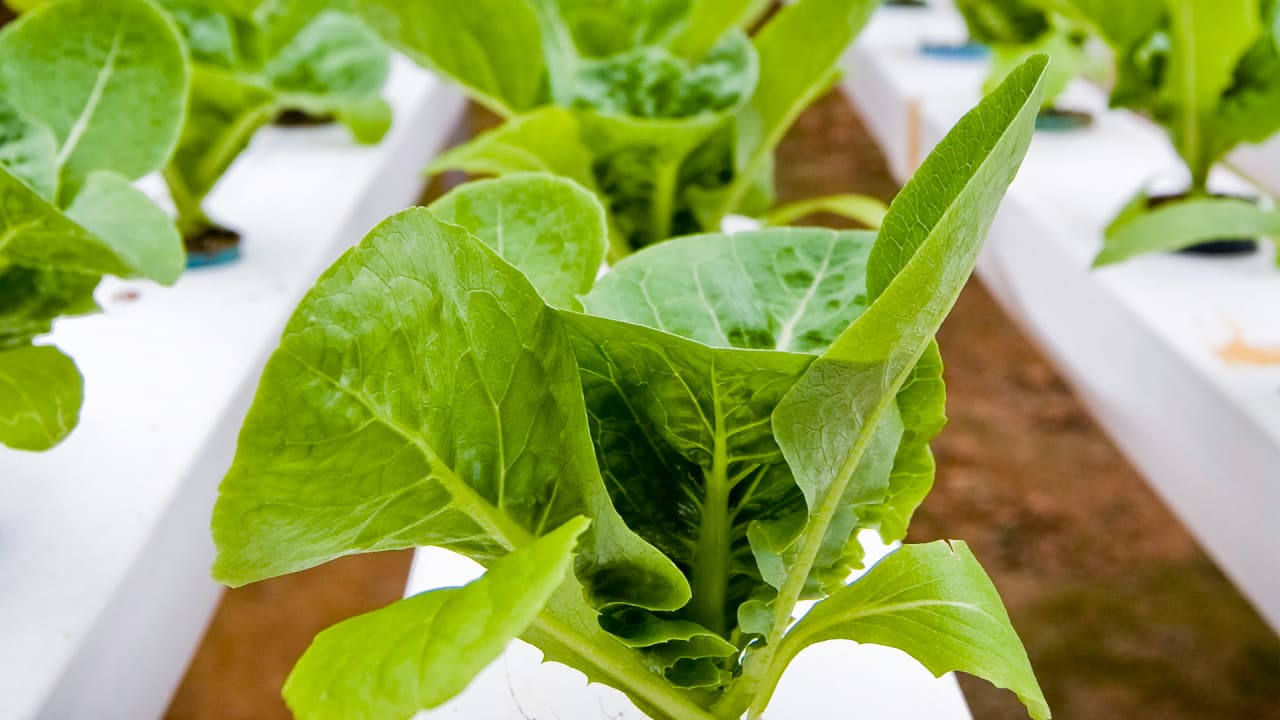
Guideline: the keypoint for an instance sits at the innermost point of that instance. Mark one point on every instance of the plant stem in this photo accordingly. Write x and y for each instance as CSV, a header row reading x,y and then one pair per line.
x,y
664,191
711,556
191,218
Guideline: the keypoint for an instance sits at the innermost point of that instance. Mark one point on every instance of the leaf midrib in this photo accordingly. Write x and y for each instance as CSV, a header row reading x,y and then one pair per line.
x,y
81,124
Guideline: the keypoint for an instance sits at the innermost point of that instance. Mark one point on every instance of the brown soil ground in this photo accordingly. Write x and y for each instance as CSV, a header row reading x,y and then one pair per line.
x,y
1123,615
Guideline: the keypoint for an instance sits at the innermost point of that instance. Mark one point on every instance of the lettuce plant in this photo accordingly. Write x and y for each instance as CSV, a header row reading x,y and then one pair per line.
x,y
654,468
665,109
255,59
1208,71
91,98
1017,29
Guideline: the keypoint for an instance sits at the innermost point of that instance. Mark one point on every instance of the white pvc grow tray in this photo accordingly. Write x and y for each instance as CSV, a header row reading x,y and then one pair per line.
x,y
833,680
104,541
1143,343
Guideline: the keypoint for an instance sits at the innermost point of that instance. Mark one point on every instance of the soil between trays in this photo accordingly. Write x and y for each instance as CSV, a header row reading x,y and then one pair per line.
x,y
1123,615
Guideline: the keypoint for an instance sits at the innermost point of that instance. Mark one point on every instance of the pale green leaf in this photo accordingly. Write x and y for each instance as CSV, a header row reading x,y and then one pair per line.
x,y
358,440
546,140
491,47
333,62
35,234
96,72
131,225
1173,226
40,395
417,653
935,603
28,150
549,228
790,289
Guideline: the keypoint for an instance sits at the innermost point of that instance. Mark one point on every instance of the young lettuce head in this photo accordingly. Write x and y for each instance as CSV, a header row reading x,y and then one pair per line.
x,y
665,109
1209,72
664,463
91,98
256,59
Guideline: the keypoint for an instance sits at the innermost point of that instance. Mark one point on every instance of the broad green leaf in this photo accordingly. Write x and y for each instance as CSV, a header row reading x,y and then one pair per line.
x,y
546,140
860,208
491,47
94,72
790,289
549,228
35,234
1208,39
359,441
417,653
40,395
28,151
126,220
211,36
935,603
798,53
333,62
1138,230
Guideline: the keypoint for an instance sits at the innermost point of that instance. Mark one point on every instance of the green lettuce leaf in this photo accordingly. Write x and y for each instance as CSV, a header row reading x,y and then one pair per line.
x,y
40,395
548,227
1138,230
935,603
417,653
500,62
480,450
121,72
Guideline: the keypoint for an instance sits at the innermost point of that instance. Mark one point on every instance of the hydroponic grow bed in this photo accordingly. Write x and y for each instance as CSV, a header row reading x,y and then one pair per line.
x,y
104,541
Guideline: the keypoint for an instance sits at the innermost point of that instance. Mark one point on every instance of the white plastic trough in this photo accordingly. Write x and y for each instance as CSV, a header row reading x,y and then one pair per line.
x,y
104,542
1178,357
830,681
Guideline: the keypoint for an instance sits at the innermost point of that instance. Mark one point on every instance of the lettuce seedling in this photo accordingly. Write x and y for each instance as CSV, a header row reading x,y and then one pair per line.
x,y
1208,71
665,109
91,98
254,60
1017,29
654,468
